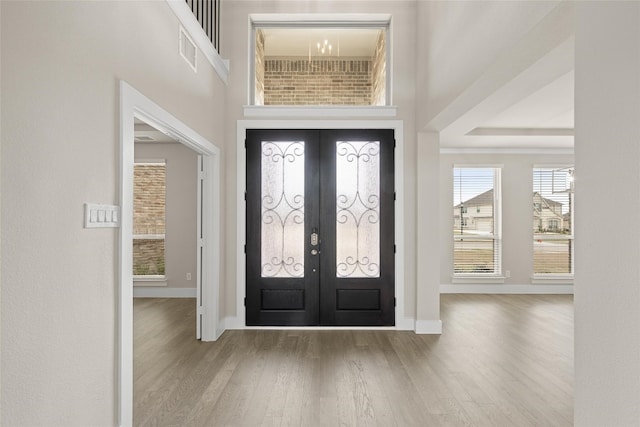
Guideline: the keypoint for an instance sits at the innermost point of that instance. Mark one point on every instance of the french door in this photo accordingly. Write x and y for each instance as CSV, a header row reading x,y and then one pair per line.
x,y
320,228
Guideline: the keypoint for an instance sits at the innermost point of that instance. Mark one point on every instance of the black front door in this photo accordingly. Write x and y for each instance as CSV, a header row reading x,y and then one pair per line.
x,y
320,228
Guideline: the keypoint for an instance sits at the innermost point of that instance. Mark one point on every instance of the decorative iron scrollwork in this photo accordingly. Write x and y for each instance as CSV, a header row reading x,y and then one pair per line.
x,y
282,209
358,208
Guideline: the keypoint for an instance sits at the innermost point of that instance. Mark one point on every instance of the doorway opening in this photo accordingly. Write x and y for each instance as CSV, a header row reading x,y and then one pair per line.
x,y
135,106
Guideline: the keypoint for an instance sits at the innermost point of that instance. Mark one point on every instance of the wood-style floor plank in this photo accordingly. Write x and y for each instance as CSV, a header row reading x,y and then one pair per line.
x,y
502,360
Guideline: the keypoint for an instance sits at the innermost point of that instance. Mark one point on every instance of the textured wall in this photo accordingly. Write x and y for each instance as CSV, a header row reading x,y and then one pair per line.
x,y
62,63
607,291
317,82
149,190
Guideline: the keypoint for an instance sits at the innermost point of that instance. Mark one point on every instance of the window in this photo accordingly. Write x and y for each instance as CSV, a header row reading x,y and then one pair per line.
x,y
149,193
553,220
476,231
333,62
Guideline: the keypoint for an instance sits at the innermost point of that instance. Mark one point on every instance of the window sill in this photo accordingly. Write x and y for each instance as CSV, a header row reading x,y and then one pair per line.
x,y
547,279
149,281
290,111
476,278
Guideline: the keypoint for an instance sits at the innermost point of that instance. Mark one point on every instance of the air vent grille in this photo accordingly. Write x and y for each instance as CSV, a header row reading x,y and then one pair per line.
x,y
188,49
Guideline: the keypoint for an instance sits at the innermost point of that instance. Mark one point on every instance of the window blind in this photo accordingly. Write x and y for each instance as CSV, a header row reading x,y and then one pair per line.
x,y
476,226
553,220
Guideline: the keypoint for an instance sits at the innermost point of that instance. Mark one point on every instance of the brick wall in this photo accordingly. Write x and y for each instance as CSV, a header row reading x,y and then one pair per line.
x,y
317,82
149,183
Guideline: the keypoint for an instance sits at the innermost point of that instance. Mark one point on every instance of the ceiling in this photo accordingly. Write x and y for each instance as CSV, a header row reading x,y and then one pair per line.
x,y
542,119
147,134
523,100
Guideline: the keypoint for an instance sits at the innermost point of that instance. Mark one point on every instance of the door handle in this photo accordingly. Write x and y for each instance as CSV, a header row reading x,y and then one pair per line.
x,y
314,238
314,252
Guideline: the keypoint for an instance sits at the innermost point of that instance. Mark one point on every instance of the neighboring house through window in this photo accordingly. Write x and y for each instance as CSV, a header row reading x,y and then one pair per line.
x,y
476,221
553,220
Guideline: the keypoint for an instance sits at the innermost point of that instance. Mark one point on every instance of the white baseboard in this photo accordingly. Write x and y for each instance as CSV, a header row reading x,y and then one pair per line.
x,y
548,289
232,322
153,292
406,324
433,327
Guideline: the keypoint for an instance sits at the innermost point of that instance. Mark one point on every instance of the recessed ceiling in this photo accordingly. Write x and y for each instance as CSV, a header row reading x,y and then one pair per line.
x,y
303,42
532,108
549,107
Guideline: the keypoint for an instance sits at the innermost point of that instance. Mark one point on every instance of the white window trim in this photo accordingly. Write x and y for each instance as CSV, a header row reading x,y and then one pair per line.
x,y
477,278
302,111
149,236
494,277
150,280
293,20
547,278
150,162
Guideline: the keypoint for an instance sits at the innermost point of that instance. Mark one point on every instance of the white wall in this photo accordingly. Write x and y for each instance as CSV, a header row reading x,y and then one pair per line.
x,y
458,42
517,205
235,34
180,212
61,64
607,294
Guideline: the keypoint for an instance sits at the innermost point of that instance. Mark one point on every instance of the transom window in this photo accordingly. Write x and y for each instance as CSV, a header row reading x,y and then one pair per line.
x,y
476,221
320,63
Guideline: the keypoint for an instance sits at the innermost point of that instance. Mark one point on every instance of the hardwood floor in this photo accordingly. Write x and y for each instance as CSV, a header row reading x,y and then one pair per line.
x,y
502,360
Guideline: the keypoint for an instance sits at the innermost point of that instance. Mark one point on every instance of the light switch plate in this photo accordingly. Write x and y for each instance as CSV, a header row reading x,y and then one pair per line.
x,y
101,216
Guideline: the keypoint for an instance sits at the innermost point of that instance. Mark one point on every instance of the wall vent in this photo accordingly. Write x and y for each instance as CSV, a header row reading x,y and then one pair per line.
x,y
188,49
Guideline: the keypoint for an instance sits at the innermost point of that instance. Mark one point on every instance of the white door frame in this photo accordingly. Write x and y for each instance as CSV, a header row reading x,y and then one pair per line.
x,y
239,321
133,104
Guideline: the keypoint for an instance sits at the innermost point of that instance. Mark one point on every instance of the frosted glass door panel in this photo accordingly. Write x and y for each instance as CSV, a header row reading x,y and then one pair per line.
x,y
282,251
357,209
